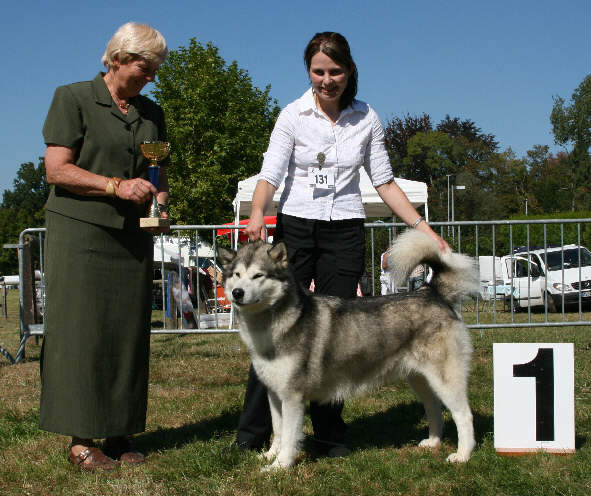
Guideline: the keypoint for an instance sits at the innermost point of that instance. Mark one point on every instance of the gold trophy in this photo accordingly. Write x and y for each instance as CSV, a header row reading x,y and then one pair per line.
x,y
154,151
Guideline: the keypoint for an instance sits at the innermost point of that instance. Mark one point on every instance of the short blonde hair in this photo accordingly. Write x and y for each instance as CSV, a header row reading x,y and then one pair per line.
x,y
133,40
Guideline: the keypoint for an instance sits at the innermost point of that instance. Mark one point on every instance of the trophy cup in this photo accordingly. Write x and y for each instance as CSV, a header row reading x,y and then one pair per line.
x,y
154,151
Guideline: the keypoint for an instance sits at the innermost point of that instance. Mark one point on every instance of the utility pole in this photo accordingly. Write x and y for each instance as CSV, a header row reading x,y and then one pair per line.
x,y
453,217
448,226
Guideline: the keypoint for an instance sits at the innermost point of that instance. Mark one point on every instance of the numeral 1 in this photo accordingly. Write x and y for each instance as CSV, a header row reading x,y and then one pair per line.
x,y
542,368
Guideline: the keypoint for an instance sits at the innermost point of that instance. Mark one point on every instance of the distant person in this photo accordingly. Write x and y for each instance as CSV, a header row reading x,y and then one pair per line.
x,y
416,278
319,143
94,359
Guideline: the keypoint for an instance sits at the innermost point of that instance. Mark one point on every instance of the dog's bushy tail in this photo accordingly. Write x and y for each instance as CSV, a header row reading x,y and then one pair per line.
x,y
454,275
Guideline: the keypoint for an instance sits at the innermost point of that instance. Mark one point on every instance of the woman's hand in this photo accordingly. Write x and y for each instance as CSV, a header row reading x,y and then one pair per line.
x,y
256,228
262,196
137,190
443,246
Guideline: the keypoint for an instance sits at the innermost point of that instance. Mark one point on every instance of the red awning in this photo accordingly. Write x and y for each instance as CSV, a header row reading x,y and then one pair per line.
x,y
269,219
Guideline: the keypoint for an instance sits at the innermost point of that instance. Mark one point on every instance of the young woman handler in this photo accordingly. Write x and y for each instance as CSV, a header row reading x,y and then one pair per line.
x,y
318,145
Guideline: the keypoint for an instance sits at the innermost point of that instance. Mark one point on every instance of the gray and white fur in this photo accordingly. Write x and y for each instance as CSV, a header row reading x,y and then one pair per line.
x,y
312,347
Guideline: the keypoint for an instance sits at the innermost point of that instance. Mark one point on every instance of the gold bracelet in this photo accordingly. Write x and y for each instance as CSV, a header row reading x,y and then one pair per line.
x,y
113,186
110,189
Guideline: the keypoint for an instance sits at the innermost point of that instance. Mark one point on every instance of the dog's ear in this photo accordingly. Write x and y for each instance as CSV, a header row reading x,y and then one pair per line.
x,y
278,254
225,256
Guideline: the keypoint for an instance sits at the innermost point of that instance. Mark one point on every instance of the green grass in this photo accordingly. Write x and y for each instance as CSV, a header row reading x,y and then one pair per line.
x,y
196,392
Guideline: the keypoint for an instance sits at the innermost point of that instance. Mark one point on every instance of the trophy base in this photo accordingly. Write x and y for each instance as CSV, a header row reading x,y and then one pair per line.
x,y
154,222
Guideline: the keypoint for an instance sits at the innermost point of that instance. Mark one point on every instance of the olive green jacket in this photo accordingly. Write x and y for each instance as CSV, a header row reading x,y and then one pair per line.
x,y
84,118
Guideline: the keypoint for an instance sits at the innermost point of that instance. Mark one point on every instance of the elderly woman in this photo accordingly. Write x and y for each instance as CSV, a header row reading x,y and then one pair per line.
x,y
94,362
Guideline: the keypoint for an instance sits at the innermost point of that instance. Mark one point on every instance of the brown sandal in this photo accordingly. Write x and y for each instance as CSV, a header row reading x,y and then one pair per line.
x,y
92,458
123,449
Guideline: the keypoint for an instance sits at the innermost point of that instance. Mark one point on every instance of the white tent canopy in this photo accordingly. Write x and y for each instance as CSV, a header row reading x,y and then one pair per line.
x,y
171,248
416,192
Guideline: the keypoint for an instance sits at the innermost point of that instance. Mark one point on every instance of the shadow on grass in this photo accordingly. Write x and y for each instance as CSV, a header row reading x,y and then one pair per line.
x,y
395,427
176,437
399,426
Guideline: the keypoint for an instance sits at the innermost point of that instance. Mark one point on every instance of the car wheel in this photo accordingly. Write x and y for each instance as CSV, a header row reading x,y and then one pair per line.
x,y
551,303
513,305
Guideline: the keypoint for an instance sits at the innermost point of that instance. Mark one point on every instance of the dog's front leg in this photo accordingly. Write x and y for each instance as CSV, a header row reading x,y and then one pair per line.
x,y
276,418
292,409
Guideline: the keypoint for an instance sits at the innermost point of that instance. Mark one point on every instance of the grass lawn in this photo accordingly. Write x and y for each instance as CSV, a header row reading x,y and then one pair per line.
x,y
196,391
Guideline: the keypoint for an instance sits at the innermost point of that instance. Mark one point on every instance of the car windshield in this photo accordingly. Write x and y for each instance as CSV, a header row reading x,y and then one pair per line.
x,y
571,258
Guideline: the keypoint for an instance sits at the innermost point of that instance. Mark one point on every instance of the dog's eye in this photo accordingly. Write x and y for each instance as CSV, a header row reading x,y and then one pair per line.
x,y
236,274
256,276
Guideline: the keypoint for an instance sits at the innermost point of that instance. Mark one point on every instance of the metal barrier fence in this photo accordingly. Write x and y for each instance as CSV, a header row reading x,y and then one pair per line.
x,y
520,289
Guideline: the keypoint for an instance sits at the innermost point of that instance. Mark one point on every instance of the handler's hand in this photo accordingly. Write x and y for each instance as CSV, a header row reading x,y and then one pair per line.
x,y
426,228
256,228
443,245
137,190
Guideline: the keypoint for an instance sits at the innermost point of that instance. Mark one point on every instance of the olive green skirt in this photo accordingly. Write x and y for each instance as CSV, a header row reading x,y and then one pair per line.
x,y
94,360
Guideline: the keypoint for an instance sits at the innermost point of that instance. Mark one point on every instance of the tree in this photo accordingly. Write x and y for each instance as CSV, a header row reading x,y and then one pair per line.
x,y
22,208
398,132
30,192
218,124
571,124
509,185
551,181
477,145
454,147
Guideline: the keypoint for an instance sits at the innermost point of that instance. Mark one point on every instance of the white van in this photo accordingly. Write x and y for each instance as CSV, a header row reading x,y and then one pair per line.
x,y
530,277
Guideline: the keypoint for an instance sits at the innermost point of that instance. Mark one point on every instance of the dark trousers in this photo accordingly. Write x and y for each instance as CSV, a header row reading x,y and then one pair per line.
x,y
331,253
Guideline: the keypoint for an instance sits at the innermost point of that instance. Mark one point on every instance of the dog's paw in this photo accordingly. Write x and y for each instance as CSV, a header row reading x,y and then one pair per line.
x,y
431,442
268,469
274,467
457,458
266,456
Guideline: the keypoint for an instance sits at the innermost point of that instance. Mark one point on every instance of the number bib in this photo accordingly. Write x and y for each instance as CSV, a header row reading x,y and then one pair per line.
x,y
321,178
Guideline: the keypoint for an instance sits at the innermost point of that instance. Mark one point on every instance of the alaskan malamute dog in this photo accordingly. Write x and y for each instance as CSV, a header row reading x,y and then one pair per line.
x,y
311,347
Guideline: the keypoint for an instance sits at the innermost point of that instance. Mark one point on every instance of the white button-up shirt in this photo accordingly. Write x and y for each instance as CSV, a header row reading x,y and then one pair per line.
x,y
301,132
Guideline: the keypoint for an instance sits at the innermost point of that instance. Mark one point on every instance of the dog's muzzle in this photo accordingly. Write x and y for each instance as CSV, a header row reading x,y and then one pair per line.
x,y
238,295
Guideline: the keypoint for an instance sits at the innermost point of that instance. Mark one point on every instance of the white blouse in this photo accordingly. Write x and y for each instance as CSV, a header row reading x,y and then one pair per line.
x,y
301,132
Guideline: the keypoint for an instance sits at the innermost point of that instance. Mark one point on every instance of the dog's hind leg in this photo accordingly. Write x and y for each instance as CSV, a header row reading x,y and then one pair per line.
x,y
452,391
432,408
292,423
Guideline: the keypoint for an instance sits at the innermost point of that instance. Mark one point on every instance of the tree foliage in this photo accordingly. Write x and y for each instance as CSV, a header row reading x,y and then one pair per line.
x,y
477,146
552,183
549,234
22,208
218,124
399,131
456,148
571,125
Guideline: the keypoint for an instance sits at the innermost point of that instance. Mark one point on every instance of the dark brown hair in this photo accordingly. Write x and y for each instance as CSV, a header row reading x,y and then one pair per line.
x,y
337,48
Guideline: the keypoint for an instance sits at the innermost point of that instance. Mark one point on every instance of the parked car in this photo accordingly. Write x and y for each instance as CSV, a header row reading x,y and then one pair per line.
x,y
556,272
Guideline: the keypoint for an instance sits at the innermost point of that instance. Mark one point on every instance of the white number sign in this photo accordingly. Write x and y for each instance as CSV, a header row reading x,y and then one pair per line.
x,y
534,397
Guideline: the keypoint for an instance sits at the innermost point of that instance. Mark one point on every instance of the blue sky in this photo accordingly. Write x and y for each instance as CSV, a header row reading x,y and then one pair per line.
x,y
497,63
